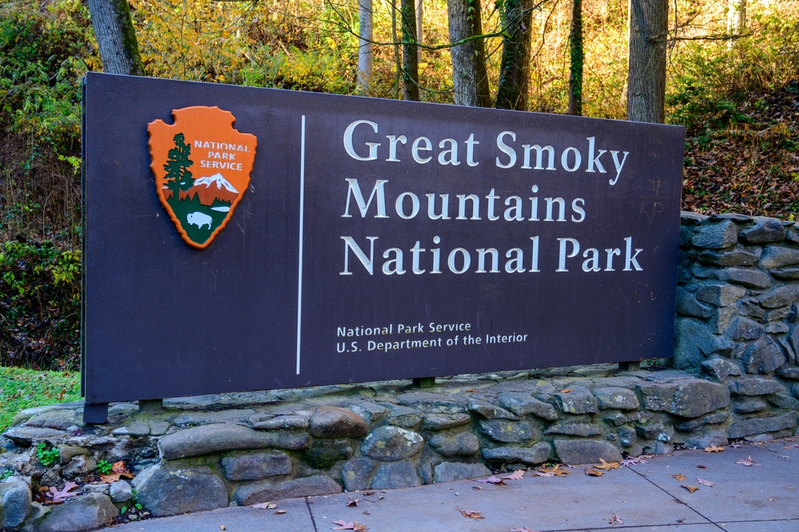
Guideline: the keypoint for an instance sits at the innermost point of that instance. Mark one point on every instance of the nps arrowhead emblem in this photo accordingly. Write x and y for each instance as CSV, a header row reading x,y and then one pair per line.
x,y
202,168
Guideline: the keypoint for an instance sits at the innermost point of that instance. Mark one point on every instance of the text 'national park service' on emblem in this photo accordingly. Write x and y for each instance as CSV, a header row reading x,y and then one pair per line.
x,y
202,168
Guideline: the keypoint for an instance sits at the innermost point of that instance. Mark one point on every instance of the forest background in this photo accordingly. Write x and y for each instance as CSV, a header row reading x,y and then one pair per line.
x,y
732,78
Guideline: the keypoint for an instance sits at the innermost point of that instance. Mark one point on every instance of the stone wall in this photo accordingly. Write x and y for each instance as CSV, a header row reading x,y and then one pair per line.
x,y
735,377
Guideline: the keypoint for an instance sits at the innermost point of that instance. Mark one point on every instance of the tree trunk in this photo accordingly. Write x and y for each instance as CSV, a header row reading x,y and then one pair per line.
x,y
646,77
469,79
514,73
736,17
577,56
410,56
364,45
116,38
419,17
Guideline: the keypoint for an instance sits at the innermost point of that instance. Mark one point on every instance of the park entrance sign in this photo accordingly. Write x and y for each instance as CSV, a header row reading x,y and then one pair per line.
x,y
244,239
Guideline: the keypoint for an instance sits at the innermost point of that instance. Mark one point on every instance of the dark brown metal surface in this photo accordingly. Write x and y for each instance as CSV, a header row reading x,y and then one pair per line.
x,y
163,319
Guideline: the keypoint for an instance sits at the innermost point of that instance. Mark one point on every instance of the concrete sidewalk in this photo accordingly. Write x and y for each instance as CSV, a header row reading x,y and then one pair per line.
x,y
763,497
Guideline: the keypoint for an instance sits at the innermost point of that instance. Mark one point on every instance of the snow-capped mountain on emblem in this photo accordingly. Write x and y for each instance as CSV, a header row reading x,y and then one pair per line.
x,y
201,141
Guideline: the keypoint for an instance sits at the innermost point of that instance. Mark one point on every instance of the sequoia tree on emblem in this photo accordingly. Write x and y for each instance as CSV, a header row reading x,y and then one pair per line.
x,y
202,168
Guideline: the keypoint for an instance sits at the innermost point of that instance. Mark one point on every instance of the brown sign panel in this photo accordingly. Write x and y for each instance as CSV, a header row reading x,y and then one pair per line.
x,y
242,239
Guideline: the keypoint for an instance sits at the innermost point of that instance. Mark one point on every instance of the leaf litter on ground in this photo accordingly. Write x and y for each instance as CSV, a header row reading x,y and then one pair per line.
x,y
349,525
714,449
607,466
471,514
554,471
690,489
680,477
705,482
118,470
614,520
56,496
748,462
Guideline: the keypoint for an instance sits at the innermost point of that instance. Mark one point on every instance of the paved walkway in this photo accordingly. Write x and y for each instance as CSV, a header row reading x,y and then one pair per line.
x,y
637,497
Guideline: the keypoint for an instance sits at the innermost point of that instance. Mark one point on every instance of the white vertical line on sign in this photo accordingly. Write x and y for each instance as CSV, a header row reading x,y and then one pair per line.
x,y
302,214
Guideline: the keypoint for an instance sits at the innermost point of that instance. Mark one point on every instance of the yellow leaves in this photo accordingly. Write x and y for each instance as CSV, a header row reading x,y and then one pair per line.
x,y
714,449
593,472
554,471
680,477
118,470
690,489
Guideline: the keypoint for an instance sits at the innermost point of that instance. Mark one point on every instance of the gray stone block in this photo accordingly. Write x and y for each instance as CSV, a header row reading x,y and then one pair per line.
x,y
537,454
578,401
710,419
778,257
785,274
627,437
282,422
223,437
616,419
334,422
256,465
206,417
504,431
166,491
725,259
616,398
784,401
461,444
690,398
720,368
716,438
451,471
264,491
487,410
355,474
763,231
755,386
576,452
750,308
432,402
748,406
390,444
394,475
656,431
715,235
444,421
693,342
763,356
67,452
523,404
570,428
779,297
789,372
688,306
762,425
120,491
742,329
15,496
25,436
751,278
324,453
720,295
83,513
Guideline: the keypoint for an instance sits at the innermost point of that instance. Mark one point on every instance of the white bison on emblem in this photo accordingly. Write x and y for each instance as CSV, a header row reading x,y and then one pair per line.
x,y
199,219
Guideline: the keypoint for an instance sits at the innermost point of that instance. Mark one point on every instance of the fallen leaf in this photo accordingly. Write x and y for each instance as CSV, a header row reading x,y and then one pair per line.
x,y
346,525
632,460
57,496
567,390
593,472
471,514
368,493
118,470
705,482
714,449
690,489
554,471
353,502
791,446
264,506
279,512
491,480
748,462
516,475
614,520
477,488
700,466
607,466
680,477
471,391
222,527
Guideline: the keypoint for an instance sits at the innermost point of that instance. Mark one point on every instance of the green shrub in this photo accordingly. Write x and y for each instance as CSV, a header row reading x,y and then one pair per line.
x,y
39,306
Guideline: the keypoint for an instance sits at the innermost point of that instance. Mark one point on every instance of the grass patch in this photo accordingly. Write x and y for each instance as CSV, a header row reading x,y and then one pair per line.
x,y
25,388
